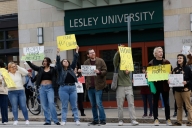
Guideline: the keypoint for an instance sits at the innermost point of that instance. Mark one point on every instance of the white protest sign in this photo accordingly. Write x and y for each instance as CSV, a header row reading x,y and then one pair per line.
x,y
139,80
176,80
88,70
79,87
186,49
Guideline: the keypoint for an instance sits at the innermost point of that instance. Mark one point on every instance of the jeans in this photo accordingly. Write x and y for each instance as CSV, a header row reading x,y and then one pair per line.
x,y
162,102
95,98
17,97
147,98
165,96
47,101
4,107
68,94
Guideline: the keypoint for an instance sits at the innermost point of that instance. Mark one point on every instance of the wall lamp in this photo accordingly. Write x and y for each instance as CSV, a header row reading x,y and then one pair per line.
x,y
40,35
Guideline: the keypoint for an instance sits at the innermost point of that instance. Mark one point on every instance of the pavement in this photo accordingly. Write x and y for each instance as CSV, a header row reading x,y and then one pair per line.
x,y
111,116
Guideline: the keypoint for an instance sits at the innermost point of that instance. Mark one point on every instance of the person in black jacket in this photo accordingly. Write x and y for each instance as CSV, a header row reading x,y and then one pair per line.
x,y
182,94
46,80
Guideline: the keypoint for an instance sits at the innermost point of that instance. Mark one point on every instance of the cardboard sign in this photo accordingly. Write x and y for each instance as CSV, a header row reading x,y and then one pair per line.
x,y
186,49
88,70
35,53
66,42
157,73
126,62
176,80
139,80
8,80
79,87
81,79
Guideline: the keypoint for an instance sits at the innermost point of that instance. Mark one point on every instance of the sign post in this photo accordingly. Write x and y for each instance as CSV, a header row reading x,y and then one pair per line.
x,y
129,37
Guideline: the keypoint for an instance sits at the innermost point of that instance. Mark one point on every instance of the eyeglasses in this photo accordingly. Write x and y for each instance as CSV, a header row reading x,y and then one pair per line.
x,y
13,66
92,53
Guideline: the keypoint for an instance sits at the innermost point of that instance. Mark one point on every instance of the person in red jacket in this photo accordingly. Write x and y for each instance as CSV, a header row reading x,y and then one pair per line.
x,y
147,97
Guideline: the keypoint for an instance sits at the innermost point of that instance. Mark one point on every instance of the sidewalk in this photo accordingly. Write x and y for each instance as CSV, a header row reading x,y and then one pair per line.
x,y
111,114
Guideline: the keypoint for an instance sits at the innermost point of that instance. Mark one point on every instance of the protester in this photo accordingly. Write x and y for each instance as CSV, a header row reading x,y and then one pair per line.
x,y
67,89
3,97
46,80
95,86
17,95
182,94
147,97
124,89
161,87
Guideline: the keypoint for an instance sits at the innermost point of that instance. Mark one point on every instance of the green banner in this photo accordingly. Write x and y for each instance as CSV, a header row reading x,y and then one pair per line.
x,y
33,57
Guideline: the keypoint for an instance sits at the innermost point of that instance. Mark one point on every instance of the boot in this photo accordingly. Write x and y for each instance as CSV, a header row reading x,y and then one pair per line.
x,y
82,112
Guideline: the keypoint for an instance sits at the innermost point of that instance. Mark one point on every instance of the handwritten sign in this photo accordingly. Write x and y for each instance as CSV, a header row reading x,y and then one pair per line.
x,y
33,53
79,87
157,73
126,62
66,42
176,80
139,80
8,80
186,49
88,70
81,79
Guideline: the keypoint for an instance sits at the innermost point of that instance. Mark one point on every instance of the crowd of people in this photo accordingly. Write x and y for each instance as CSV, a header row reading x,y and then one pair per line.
x,y
64,74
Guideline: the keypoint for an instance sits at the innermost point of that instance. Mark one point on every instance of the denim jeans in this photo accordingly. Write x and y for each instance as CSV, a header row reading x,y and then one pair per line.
x,y
17,97
4,106
68,94
47,101
95,98
148,98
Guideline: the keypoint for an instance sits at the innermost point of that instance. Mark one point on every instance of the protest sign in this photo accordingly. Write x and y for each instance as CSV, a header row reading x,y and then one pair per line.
x,y
88,70
176,80
81,79
79,87
186,49
126,62
66,42
139,80
8,80
157,73
33,53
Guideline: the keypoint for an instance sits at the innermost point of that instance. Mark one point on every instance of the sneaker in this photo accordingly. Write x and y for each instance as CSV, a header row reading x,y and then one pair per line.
x,y
120,123
57,123
78,123
189,124
102,122
150,116
134,122
177,124
163,109
144,116
27,122
47,123
93,123
5,123
175,114
156,122
63,123
15,122
168,122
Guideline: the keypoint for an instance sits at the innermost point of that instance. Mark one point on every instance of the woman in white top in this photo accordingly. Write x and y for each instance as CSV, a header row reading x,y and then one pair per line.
x,y
17,95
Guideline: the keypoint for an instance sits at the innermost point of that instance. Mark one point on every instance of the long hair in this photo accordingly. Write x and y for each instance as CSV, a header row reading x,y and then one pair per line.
x,y
184,60
48,61
67,61
2,64
189,62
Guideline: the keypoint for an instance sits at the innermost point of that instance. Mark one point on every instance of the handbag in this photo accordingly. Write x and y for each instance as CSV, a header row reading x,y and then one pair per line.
x,y
115,79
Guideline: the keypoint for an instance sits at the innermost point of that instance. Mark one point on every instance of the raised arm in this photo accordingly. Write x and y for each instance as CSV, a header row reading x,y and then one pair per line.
x,y
75,58
58,66
34,67
116,59
22,71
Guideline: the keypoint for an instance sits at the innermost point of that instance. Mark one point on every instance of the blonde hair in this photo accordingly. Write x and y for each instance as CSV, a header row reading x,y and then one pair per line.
x,y
155,50
9,65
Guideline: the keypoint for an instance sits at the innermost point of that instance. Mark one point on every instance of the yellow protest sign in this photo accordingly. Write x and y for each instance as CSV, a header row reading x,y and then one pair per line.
x,y
66,42
8,80
159,72
126,62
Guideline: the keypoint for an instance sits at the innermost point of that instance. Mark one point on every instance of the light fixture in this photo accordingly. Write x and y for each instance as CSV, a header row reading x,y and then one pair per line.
x,y
40,35
191,21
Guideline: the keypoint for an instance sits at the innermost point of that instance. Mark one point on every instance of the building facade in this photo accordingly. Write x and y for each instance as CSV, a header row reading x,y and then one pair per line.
x,y
101,24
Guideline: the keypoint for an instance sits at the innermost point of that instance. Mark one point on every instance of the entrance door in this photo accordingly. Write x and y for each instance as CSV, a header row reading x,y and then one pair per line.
x,y
142,53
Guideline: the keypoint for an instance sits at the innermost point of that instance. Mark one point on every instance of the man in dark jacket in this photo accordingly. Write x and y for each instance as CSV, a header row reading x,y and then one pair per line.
x,y
161,87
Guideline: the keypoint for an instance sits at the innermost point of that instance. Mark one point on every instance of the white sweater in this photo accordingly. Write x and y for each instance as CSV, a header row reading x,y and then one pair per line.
x,y
17,78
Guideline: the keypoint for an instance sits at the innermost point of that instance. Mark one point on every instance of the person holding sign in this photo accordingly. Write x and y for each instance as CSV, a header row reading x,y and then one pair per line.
x,y
124,89
95,86
182,94
161,87
3,97
67,89
46,80
17,95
